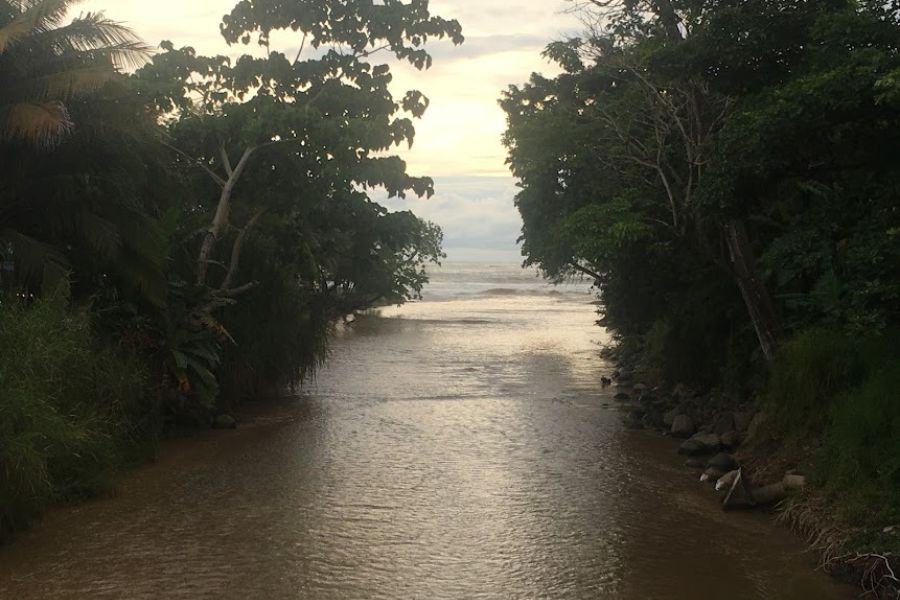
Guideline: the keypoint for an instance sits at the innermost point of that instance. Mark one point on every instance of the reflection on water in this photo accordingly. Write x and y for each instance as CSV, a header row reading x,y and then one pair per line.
x,y
458,448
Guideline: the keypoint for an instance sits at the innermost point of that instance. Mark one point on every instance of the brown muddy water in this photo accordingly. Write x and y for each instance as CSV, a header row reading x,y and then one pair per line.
x,y
455,448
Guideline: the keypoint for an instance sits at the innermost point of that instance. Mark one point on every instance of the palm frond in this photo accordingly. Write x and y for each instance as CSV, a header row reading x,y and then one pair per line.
x,y
37,123
92,32
98,233
36,261
36,16
64,84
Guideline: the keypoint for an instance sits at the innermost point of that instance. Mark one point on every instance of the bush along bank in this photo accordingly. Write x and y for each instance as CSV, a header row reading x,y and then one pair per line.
x,y
818,445
74,410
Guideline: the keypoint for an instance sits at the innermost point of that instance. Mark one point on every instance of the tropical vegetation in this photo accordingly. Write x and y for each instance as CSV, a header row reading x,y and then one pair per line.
x,y
180,232
725,171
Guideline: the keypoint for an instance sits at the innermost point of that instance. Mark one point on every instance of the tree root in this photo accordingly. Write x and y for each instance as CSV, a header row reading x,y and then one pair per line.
x,y
877,574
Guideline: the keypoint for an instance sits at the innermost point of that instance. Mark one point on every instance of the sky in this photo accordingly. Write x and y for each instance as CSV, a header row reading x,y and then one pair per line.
x,y
458,142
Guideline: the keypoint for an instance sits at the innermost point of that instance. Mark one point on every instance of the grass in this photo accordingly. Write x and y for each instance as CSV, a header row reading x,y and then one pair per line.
x,y
841,395
73,411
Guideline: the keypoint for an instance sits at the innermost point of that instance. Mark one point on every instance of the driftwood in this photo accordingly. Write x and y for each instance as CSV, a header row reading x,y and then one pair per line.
x,y
741,493
769,494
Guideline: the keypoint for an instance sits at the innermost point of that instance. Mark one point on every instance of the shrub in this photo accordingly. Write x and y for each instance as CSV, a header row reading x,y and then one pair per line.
x,y
72,410
809,371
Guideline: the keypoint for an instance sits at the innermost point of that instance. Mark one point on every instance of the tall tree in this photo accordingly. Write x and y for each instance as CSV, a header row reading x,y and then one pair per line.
x,y
281,151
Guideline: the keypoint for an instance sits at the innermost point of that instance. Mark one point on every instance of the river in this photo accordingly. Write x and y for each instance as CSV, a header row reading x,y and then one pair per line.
x,y
459,447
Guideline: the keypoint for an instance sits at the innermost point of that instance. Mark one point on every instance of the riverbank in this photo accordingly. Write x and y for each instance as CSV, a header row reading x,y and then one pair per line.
x,y
741,456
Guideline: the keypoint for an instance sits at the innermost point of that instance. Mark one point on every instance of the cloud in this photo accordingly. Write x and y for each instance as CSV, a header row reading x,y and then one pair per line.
x,y
474,212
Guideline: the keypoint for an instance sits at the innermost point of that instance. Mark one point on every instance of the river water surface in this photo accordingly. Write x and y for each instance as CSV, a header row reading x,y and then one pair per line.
x,y
459,447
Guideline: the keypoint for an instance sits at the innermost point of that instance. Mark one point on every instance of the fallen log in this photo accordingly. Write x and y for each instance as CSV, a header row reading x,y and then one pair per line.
x,y
769,494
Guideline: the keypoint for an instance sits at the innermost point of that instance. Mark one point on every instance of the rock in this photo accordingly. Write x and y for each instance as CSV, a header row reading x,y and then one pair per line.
x,y
653,419
695,463
723,423
731,440
742,421
669,416
622,397
758,422
624,376
661,404
722,461
224,422
640,387
726,480
682,426
711,475
702,443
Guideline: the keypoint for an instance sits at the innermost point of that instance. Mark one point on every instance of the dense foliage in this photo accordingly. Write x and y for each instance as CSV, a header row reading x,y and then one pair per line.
x,y
189,233
724,169
726,176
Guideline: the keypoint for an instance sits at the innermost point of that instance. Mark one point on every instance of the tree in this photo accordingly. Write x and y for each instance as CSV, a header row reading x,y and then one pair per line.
x,y
331,115
280,152
705,153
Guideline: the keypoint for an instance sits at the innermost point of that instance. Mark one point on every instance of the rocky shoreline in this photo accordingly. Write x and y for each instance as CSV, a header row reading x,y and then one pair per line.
x,y
728,446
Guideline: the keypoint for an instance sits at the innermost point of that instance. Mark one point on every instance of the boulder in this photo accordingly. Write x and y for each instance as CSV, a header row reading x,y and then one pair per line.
x,y
723,423
695,463
702,443
711,475
724,462
622,397
726,480
731,440
669,416
640,387
682,426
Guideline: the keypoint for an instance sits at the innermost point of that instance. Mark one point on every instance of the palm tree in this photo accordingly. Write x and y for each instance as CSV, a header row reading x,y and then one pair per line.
x,y
73,144
44,63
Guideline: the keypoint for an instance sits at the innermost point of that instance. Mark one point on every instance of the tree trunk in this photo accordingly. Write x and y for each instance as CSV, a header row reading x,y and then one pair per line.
x,y
669,19
220,220
756,296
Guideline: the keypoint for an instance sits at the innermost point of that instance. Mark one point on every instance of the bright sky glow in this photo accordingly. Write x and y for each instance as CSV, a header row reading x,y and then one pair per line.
x,y
458,140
